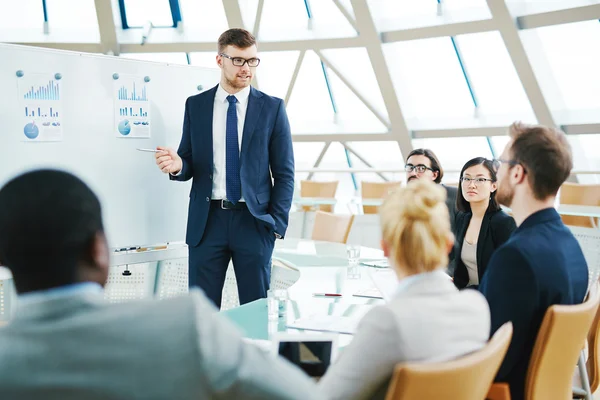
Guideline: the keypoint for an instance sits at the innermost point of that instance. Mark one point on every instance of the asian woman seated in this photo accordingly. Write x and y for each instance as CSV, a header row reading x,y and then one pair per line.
x,y
480,226
428,319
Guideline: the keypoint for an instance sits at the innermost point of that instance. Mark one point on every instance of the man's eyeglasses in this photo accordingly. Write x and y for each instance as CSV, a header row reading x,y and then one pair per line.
x,y
419,168
239,61
476,181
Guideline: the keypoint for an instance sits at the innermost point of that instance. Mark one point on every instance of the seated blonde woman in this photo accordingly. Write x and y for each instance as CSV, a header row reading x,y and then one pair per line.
x,y
428,319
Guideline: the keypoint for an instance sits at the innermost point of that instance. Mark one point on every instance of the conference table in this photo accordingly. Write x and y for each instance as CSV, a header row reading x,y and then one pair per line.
x,y
324,268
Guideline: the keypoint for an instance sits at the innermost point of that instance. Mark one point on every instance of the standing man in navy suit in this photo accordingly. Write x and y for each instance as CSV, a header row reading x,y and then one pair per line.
x,y
237,149
541,264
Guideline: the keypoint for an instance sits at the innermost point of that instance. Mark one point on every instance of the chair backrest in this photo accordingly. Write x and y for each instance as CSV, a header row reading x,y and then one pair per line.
x,y
583,195
332,227
557,346
283,274
589,240
376,190
593,362
318,189
466,378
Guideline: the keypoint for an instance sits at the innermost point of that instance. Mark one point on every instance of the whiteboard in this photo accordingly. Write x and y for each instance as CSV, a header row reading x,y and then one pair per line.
x,y
139,203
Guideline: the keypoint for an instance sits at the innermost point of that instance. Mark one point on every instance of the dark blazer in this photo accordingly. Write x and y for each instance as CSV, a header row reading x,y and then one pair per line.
x,y
496,228
266,161
540,265
451,193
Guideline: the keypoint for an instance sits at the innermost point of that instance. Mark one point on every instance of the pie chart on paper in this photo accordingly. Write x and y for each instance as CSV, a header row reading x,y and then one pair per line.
x,y
31,130
124,127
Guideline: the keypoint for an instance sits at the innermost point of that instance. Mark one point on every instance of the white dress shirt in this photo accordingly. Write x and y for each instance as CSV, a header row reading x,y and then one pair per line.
x,y
219,189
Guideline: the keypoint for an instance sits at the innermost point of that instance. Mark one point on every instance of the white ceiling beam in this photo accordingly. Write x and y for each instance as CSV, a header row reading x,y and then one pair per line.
x,y
78,47
259,9
426,32
512,41
337,137
319,159
350,86
288,94
558,17
363,160
581,129
345,13
368,32
190,47
107,28
459,132
233,13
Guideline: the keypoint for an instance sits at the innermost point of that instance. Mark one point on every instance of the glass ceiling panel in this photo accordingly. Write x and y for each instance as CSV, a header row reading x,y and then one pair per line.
x,y
288,20
13,25
307,153
453,153
429,82
352,114
379,154
141,11
335,157
248,9
354,64
524,7
203,20
568,62
275,71
171,58
586,155
206,59
494,80
61,12
309,108
348,6
393,15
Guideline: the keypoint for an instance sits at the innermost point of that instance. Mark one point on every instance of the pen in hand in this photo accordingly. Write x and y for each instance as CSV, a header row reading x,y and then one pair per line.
x,y
327,295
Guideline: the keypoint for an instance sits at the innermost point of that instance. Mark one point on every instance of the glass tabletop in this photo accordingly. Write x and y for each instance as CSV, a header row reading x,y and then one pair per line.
x,y
324,268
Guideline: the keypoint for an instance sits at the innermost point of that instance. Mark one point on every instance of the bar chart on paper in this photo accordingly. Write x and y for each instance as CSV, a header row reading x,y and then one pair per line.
x,y
132,107
40,98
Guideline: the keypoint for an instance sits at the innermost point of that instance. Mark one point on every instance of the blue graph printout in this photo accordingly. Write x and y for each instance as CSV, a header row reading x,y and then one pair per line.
x,y
40,96
132,107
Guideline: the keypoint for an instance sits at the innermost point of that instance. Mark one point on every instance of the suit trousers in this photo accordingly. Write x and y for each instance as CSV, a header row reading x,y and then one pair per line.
x,y
232,234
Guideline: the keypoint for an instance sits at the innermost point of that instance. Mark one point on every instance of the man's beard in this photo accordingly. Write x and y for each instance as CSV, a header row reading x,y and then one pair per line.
x,y
505,194
233,83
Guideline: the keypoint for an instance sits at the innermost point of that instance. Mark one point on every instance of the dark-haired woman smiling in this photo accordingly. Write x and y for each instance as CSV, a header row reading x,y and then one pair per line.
x,y
481,226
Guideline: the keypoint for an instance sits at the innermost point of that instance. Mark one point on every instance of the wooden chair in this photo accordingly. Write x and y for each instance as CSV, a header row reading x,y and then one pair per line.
x,y
466,378
592,367
582,195
556,351
376,190
318,189
332,227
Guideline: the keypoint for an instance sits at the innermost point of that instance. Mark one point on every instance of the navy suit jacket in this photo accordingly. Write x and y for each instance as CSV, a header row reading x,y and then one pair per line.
x,y
540,265
266,161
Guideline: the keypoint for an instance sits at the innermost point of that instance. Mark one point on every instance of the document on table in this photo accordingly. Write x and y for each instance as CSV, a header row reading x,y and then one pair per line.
x,y
385,280
327,323
376,263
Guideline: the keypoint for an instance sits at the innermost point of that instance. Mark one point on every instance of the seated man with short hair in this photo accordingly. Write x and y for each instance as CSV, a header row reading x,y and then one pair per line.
x,y
67,342
541,264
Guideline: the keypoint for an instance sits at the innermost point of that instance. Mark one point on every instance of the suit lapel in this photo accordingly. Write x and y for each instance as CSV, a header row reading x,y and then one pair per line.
x,y
483,232
206,124
255,105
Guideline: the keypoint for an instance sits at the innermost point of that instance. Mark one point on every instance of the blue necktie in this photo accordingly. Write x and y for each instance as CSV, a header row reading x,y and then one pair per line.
x,y
232,154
